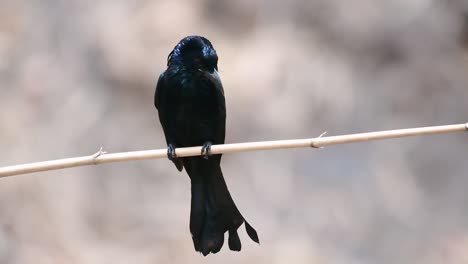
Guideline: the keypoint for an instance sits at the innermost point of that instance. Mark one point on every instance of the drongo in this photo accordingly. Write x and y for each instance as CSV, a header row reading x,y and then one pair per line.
x,y
190,101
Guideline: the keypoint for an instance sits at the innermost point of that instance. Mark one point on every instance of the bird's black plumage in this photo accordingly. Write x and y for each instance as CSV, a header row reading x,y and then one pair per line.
x,y
191,106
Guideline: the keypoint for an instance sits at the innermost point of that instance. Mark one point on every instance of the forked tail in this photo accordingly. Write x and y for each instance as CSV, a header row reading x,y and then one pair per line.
x,y
213,211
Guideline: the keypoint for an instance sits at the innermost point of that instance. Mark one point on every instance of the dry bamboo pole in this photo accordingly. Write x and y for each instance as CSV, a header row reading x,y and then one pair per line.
x,y
318,142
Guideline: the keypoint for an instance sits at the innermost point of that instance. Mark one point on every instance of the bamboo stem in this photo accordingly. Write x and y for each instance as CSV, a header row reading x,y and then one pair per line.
x,y
318,142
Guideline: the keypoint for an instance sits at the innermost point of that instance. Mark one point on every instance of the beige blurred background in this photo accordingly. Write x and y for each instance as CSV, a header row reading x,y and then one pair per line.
x,y
77,75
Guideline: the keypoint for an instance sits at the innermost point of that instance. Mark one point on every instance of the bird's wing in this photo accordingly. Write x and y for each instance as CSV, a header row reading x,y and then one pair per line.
x,y
160,86
216,81
158,90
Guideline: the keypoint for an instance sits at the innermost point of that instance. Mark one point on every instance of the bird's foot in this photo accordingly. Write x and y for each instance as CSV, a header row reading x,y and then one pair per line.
x,y
171,155
206,150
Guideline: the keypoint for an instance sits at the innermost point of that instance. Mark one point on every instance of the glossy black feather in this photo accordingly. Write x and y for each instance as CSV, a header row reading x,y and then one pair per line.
x,y
191,106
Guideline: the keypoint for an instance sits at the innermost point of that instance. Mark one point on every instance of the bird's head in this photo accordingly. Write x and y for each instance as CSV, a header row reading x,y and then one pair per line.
x,y
194,53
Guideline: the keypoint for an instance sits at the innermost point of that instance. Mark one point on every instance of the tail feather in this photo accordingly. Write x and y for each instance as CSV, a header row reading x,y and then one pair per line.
x,y
234,241
213,211
251,232
197,214
211,242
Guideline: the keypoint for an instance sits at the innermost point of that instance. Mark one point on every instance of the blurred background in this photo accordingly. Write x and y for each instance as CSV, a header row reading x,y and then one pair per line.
x,y
78,75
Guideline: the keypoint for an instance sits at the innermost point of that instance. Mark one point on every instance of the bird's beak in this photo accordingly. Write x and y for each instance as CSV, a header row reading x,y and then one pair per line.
x,y
214,77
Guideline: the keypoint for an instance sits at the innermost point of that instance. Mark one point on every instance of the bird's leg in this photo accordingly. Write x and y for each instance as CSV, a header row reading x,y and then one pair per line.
x,y
171,155
206,150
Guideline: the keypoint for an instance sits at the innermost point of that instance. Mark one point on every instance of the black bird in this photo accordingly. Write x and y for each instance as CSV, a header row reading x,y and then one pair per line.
x,y
191,106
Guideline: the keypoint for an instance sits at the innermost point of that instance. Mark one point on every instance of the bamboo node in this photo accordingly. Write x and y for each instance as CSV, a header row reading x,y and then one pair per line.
x,y
312,141
97,154
312,144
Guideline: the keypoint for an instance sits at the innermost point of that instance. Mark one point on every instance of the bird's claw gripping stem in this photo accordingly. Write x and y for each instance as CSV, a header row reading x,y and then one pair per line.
x,y
206,150
171,155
